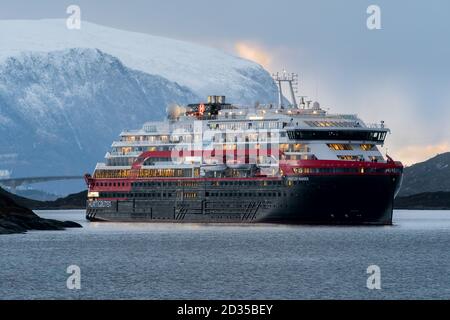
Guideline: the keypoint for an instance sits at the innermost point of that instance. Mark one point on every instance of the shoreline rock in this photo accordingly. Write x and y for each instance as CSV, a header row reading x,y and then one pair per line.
x,y
15,218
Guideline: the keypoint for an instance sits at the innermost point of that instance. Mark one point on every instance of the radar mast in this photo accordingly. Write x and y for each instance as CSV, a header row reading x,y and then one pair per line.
x,y
292,80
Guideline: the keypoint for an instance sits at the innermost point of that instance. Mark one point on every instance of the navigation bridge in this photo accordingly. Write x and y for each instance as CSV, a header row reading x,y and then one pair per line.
x,y
13,183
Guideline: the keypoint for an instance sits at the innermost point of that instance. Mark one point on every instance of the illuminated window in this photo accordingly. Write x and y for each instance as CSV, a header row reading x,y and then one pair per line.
x,y
367,147
375,158
339,146
126,150
303,170
349,158
340,124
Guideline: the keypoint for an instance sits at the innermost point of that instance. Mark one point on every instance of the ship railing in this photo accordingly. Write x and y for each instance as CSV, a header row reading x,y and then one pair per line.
x,y
150,143
376,126
144,142
128,154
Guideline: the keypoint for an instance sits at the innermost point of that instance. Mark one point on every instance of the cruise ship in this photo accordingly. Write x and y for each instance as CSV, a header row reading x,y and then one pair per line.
x,y
217,162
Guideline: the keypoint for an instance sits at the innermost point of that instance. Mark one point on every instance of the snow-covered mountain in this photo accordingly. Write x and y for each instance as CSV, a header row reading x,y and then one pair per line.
x,y
60,111
204,70
66,94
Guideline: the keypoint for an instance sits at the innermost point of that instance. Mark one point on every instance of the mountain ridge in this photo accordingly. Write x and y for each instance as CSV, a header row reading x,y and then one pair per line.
x,y
203,69
61,110
432,175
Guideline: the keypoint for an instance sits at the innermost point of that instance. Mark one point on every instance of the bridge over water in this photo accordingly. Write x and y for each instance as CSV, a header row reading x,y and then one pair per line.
x,y
13,183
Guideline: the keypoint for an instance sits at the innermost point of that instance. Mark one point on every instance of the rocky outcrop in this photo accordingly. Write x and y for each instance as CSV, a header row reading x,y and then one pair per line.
x,y
15,218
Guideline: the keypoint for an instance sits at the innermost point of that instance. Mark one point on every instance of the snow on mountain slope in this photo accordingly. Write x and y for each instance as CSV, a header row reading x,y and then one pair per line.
x,y
204,70
60,110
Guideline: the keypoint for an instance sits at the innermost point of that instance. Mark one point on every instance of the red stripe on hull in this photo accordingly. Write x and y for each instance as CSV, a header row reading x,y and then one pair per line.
x,y
362,168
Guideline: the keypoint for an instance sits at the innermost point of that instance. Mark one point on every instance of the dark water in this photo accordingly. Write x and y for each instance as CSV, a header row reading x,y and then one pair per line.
x,y
159,261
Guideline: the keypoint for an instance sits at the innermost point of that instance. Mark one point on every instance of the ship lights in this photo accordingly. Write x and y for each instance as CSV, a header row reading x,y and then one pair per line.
x,y
93,194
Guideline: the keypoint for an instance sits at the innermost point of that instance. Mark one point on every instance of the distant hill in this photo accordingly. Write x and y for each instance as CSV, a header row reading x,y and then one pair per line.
x,y
432,175
424,201
72,201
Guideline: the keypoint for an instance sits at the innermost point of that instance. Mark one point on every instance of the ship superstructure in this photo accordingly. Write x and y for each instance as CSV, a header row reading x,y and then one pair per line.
x,y
219,162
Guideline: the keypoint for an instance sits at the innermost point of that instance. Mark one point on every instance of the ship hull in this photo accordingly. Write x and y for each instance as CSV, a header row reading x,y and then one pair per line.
x,y
315,199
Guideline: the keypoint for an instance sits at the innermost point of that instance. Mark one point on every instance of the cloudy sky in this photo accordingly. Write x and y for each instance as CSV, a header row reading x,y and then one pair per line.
x,y
399,74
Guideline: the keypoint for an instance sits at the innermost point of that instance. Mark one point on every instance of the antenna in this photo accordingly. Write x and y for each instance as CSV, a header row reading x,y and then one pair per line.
x,y
302,103
317,91
292,80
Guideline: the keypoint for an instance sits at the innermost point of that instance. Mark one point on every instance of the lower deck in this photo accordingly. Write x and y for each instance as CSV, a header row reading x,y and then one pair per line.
x,y
315,199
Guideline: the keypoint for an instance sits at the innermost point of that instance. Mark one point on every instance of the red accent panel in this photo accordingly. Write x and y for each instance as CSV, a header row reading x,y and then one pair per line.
x,y
126,187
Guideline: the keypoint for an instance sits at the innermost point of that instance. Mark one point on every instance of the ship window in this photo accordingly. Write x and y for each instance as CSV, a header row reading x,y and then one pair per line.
x,y
367,147
350,157
339,146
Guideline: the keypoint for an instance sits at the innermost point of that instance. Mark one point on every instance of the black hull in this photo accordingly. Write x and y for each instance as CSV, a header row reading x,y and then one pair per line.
x,y
334,199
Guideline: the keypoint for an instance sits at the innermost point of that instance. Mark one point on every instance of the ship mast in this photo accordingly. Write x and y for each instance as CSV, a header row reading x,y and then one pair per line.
x,y
292,80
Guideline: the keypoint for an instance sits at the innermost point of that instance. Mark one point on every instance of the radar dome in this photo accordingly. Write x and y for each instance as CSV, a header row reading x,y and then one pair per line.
x,y
316,105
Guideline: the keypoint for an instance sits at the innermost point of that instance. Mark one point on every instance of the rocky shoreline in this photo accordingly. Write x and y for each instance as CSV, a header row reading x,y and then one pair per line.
x,y
15,218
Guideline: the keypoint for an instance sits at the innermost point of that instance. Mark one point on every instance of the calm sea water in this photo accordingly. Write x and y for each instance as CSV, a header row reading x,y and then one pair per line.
x,y
172,261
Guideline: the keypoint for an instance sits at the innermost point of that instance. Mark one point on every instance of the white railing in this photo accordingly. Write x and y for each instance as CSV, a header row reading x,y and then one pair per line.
x,y
376,126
